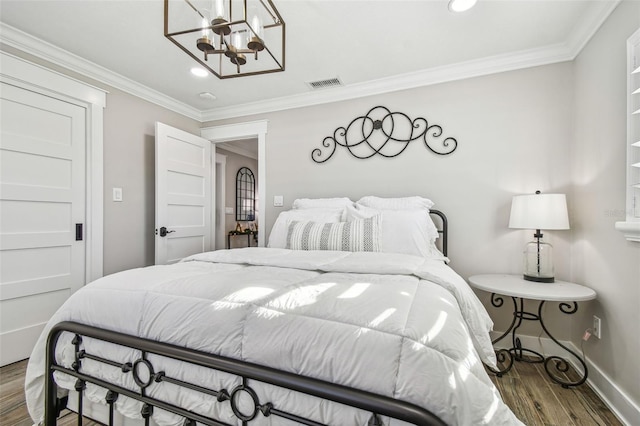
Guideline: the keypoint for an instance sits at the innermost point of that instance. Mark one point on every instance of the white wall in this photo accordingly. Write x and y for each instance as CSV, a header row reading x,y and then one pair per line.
x,y
601,257
513,129
129,163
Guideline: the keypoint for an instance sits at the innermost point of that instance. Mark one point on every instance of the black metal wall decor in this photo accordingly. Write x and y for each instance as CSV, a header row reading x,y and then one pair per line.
x,y
384,133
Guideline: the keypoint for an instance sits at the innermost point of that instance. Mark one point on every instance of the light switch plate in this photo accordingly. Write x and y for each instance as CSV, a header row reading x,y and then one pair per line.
x,y
278,201
117,194
228,210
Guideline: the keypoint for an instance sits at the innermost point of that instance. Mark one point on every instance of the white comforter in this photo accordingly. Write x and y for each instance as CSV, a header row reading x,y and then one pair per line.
x,y
395,325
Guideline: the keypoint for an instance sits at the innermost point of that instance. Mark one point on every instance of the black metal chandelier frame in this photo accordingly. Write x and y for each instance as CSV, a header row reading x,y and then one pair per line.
x,y
221,29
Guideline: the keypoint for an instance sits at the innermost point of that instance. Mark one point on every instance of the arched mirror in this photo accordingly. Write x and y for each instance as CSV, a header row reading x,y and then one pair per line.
x,y
245,195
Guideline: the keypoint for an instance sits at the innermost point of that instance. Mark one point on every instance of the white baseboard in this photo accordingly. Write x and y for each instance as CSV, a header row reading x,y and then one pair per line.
x,y
618,401
615,398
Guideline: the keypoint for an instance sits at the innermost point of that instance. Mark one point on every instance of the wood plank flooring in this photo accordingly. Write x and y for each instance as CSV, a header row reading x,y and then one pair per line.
x,y
13,408
526,389
537,400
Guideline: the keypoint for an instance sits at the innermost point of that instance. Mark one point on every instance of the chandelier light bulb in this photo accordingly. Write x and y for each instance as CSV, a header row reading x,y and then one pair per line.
x,y
237,41
255,43
219,9
204,23
256,26
219,18
205,42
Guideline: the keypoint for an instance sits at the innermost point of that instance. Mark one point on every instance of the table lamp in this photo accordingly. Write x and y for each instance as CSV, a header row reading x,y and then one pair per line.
x,y
539,211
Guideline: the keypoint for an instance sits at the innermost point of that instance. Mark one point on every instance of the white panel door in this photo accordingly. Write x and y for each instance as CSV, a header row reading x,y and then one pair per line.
x,y
183,194
42,198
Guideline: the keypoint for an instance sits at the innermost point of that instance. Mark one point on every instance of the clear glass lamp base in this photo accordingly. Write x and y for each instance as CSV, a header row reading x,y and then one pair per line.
x,y
538,262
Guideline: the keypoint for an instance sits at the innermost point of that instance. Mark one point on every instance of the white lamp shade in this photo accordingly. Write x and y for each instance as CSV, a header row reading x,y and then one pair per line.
x,y
539,211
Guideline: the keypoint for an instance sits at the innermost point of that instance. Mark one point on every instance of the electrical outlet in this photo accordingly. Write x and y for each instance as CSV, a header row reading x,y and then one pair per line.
x,y
597,327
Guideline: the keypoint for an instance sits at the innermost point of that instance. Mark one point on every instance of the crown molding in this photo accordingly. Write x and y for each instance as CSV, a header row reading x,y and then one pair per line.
x,y
561,52
431,76
44,50
588,25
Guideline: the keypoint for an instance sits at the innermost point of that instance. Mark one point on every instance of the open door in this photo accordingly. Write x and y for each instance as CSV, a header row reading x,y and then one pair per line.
x,y
183,194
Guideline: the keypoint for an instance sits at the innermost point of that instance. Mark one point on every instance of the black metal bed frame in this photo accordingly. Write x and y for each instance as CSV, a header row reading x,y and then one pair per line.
x,y
443,230
144,376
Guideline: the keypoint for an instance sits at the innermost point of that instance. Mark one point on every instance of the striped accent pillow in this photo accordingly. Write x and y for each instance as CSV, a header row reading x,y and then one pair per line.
x,y
357,235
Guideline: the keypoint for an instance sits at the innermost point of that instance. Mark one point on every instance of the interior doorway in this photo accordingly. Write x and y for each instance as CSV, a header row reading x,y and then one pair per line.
x,y
252,134
230,157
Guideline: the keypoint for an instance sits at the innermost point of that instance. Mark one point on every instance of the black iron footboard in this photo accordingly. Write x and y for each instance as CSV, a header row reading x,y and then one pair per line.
x,y
144,376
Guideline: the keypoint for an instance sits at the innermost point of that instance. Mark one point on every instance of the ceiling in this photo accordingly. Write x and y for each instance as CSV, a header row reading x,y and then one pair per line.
x,y
372,46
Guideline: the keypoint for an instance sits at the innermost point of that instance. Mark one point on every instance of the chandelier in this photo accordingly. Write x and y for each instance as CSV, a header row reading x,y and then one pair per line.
x,y
230,38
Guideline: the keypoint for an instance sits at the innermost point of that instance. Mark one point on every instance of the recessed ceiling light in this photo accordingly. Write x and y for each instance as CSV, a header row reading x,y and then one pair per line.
x,y
461,5
200,72
207,96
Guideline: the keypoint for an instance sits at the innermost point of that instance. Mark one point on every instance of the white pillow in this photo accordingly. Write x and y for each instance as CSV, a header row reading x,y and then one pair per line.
x,y
403,203
322,203
278,235
356,235
402,231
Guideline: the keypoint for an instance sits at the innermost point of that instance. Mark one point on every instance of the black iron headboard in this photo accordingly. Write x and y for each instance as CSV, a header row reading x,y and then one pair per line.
x,y
442,230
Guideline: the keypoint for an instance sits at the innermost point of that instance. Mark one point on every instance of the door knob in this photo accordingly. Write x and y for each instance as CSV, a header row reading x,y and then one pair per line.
x,y
164,232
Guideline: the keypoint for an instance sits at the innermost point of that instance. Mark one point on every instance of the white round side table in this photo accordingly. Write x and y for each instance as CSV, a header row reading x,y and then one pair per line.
x,y
516,287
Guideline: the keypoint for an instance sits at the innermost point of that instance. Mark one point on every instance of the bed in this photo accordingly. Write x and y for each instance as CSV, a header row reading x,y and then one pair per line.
x,y
351,316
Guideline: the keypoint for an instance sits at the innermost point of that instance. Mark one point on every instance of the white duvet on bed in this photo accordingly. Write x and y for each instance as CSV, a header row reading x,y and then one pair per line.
x,y
395,325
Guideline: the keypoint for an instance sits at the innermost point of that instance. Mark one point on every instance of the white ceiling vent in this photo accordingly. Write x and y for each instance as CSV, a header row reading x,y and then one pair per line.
x,y
325,84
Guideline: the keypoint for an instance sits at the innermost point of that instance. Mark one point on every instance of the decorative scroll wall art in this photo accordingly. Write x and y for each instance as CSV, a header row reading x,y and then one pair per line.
x,y
385,133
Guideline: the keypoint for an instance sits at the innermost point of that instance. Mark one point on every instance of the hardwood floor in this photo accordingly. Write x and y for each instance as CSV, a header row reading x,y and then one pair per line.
x,y
537,400
526,389
13,408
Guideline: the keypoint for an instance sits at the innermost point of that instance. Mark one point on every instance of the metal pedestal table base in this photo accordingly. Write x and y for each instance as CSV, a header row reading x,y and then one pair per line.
x,y
554,365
